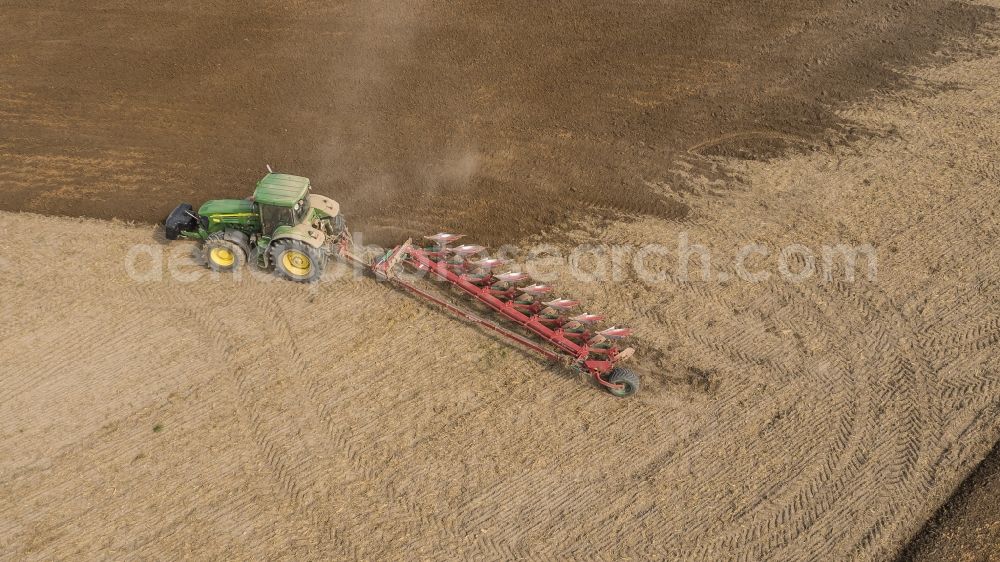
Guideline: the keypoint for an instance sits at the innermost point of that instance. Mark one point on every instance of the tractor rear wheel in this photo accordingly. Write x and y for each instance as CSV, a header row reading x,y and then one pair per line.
x,y
297,261
626,378
223,255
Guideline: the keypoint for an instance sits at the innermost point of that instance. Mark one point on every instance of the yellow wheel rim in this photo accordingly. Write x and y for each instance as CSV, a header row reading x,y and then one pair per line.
x,y
296,263
223,257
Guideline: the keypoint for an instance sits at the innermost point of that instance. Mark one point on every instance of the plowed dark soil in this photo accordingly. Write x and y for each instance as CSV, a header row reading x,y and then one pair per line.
x,y
489,118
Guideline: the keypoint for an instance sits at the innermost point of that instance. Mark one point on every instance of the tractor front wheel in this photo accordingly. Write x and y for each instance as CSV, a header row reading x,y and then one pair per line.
x,y
223,255
628,380
298,261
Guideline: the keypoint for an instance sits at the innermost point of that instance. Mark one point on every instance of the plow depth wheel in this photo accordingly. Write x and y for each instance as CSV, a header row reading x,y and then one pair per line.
x,y
626,378
223,255
297,260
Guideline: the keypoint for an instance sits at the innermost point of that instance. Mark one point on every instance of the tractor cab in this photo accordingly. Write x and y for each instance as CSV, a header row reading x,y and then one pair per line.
x,y
281,200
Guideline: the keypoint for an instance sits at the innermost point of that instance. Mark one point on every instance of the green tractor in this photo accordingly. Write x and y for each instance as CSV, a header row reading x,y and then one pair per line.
x,y
283,226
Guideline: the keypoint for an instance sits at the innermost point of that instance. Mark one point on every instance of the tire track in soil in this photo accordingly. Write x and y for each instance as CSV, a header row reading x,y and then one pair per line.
x,y
271,448
446,529
292,481
731,346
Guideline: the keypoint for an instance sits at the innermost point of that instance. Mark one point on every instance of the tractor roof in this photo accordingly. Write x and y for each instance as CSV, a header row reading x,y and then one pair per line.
x,y
282,190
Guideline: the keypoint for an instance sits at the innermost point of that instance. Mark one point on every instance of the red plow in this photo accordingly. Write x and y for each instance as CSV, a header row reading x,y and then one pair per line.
x,y
529,315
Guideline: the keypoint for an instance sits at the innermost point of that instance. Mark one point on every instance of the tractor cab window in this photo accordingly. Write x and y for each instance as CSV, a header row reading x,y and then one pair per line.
x,y
272,217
